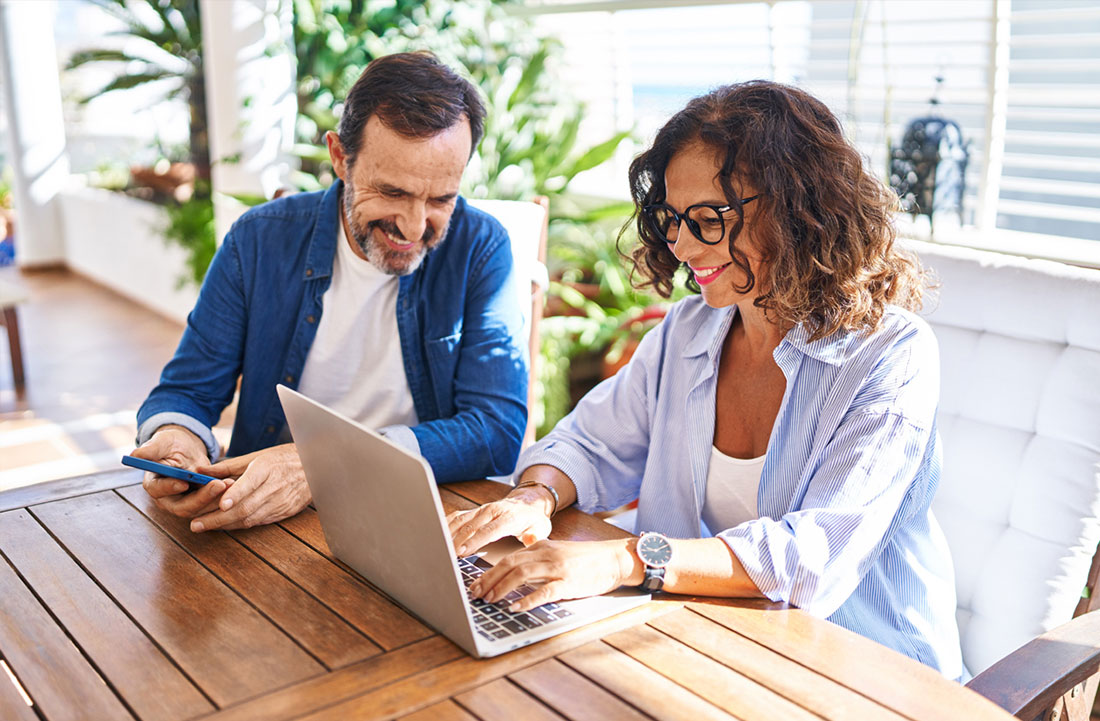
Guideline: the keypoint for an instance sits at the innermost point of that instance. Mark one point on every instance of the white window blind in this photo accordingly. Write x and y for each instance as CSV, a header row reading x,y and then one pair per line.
x,y
1050,182
1021,78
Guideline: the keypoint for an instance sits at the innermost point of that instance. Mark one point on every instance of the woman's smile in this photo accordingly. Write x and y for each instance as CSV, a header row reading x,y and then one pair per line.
x,y
708,274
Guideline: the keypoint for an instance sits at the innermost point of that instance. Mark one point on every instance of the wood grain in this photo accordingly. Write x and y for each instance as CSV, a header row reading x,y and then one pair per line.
x,y
442,711
807,688
502,700
52,670
346,593
346,683
307,527
709,679
846,658
67,488
571,694
12,705
467,673
641,686
222,643
313,625
141,674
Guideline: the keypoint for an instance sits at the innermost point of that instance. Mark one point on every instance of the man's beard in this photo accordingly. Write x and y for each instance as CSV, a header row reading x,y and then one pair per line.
x,y
381,255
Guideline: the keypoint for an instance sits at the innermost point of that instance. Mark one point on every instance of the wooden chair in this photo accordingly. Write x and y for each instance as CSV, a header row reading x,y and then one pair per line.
x,y
10,297
527,223
1019,499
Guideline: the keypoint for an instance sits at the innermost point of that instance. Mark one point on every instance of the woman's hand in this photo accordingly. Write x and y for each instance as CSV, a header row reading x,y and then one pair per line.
x,y
566,569
525,515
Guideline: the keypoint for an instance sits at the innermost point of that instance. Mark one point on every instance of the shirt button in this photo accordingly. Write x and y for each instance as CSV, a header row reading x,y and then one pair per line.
x,y
271,429
289,379
310,319
309,272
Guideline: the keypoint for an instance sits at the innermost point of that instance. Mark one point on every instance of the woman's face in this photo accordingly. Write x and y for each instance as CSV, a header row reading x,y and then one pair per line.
x,y
691,177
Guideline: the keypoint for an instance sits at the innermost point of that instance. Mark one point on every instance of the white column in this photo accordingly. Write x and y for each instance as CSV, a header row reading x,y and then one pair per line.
x,y
248,49
36,127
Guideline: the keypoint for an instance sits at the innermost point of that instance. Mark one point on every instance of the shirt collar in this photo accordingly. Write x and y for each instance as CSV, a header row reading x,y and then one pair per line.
x,y
832,349
322,245
711,332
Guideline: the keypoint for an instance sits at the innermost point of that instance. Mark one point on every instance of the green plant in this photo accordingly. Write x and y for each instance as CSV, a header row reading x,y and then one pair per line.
x,y
595,312
190,226
168,51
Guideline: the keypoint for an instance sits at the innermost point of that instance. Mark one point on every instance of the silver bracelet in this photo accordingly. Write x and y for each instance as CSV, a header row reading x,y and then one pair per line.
x,y
553,493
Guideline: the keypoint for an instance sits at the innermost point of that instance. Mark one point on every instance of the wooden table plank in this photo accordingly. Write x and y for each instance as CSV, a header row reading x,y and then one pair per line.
x,y
705,677
221,642
319,630
639,685
67,488
13,707
346,683
59,680
572,695
365,608
467,673
846,657
807,688
141,674
307,527
502,700
442,711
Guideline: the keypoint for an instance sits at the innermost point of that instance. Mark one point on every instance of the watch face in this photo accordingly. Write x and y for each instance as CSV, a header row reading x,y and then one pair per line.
x,y
654,550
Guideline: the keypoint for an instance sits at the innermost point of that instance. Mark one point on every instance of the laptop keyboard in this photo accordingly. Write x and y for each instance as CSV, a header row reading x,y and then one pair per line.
x,y
494,620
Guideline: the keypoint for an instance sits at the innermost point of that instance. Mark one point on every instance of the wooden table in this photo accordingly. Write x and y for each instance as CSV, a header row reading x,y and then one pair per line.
x,y
112,609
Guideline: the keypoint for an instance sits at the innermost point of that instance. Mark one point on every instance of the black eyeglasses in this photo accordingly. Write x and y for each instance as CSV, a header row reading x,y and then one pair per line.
x,y
706,222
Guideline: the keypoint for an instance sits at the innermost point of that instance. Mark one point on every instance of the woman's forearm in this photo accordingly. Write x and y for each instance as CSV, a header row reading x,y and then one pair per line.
x,y
699,567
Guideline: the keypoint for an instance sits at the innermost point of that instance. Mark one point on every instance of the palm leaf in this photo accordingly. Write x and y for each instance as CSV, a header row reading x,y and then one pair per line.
x,y
598,154
125,82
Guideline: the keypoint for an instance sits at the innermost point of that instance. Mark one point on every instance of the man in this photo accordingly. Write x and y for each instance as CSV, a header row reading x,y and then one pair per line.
x,y
385,297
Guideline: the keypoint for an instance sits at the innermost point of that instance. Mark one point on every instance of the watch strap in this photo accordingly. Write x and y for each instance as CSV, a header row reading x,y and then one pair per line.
x,y
654,579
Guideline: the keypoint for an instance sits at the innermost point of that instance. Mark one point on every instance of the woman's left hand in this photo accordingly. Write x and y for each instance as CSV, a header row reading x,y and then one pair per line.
x,y
565,569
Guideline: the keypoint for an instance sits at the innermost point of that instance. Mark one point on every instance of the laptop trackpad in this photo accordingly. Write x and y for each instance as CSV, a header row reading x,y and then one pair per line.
x,y
499,549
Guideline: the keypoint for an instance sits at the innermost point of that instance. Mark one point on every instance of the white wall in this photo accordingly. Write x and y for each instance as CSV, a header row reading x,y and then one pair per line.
x,y
118,241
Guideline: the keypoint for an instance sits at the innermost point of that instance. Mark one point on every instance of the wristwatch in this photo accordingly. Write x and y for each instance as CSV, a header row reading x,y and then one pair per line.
x,y
655,552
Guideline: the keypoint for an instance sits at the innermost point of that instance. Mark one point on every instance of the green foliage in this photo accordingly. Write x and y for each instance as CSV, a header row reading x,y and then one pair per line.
x,y
530,142
191,227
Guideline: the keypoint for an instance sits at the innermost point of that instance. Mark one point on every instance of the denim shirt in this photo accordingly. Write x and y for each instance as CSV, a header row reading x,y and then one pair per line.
x,y
260,305
845,529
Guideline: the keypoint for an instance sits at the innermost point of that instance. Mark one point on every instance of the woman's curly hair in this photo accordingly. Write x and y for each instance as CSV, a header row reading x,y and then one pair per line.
x,y
823,223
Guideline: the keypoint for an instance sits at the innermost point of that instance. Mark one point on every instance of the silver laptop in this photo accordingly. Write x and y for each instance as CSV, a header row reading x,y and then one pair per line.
x,y
380,512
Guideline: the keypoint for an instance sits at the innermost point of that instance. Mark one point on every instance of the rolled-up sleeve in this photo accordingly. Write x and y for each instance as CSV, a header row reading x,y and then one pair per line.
x,y
877,469
815,558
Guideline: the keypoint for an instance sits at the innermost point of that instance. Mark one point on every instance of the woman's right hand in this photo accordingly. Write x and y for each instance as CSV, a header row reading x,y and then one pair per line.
x,y
524,513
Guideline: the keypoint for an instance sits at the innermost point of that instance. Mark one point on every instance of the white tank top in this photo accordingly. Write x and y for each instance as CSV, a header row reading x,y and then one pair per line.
x,y
732,486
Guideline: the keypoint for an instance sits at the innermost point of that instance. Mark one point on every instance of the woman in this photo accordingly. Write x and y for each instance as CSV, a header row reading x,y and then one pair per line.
x,y
778,429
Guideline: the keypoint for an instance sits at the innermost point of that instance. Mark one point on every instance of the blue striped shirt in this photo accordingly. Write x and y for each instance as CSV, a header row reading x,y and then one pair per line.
x,y
845,530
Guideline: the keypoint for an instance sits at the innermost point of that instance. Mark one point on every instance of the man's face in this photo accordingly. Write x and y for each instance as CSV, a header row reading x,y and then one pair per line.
x,y
400,192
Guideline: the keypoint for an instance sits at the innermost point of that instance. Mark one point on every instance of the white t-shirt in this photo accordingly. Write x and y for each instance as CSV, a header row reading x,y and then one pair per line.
x,y
732,486
355,365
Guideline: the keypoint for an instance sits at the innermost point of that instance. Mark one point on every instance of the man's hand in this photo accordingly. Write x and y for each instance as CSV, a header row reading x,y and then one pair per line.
x,y
269,486
177,446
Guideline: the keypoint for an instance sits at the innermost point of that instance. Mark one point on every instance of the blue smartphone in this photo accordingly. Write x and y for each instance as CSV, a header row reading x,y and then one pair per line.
x,y
197,479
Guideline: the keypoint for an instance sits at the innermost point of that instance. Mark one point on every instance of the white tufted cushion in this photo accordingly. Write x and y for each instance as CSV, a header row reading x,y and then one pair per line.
x,y
1020,422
